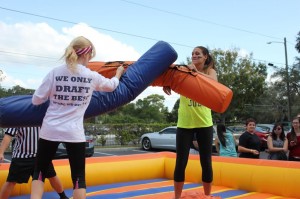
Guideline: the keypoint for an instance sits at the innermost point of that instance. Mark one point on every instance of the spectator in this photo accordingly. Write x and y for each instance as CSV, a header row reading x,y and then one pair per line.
x,y
277,143
225,142
249,142
23,159
69,89
294,140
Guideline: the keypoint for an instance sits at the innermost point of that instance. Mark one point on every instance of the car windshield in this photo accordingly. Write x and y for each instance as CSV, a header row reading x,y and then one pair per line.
x,y
259,129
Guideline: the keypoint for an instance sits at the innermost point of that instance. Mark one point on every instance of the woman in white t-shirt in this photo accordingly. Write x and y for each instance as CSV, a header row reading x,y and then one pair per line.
x,y
69,89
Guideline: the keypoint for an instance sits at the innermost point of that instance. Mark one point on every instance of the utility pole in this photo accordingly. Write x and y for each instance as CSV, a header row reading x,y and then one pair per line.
x,y
287,77
287,81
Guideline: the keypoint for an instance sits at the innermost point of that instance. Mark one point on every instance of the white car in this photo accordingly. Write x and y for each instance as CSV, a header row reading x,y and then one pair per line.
x,y
89,149
266,127
164,139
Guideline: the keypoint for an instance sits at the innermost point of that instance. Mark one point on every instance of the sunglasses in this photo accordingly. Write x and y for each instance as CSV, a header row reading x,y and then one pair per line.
x,y
278,128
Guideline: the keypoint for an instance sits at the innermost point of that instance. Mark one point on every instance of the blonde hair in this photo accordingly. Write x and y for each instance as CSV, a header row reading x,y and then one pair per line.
x,y
71,57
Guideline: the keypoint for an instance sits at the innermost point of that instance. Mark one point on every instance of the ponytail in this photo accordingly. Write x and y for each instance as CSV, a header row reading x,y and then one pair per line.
x,y
221,129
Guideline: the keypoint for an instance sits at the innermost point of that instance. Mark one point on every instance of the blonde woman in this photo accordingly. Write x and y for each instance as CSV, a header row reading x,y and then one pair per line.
x,y
69,88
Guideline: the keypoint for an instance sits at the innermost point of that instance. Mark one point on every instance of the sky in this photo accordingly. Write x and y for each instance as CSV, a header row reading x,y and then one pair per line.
x,y
34,34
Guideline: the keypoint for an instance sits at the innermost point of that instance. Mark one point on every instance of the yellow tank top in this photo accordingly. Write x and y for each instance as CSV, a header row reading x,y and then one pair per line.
x,y
192,114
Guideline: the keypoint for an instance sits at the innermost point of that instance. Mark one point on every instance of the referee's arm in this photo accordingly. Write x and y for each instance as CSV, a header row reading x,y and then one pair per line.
x,y
4,145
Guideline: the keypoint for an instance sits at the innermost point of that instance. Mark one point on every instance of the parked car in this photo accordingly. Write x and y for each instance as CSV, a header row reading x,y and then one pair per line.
x,y
266,127
89,148
263,136
237,130
164,139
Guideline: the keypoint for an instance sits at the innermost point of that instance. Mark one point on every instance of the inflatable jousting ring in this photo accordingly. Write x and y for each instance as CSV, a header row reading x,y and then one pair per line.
x,y
150,175
154,68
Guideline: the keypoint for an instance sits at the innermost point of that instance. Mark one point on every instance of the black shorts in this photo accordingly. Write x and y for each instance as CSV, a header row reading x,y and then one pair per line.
x,y
21,169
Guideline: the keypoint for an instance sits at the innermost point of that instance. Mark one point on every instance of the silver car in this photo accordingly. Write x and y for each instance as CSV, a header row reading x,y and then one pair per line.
x,y
89,149
266,127
164,139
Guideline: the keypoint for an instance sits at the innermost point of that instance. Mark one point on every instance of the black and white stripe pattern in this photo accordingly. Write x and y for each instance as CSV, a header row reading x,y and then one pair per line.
x,y
25,142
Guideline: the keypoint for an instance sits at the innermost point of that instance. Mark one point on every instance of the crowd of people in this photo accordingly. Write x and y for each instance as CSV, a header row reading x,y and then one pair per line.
x,y
281,145
64,123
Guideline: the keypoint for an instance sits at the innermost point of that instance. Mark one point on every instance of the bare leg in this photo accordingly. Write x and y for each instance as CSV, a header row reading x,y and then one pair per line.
x,y
56,184
207,188
37,189
79,193
6,189
178,186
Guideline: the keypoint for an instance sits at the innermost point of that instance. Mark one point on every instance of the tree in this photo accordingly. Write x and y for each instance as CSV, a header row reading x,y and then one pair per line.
x,y
16,90
1,76
149,110
246,79
173,115
297,46
152,108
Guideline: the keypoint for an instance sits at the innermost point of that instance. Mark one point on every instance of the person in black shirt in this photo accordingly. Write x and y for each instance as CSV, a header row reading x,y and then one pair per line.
x,y
249,142
23,160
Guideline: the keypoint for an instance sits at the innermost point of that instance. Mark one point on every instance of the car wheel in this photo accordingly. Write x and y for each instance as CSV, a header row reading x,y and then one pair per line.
x,y
146,144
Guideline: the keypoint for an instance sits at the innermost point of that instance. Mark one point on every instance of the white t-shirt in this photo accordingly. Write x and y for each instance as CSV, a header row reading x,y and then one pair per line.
x,y
69,94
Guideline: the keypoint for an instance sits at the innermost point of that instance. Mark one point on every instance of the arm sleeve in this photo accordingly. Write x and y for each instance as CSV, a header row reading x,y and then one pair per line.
x,y
243,141
42,93
102,83
11,131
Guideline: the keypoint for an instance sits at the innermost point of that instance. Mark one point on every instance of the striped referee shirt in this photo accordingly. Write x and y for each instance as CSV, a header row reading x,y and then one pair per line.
x,y
25,142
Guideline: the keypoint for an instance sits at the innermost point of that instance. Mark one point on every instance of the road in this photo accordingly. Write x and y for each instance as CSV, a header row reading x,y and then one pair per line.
x,y
102,152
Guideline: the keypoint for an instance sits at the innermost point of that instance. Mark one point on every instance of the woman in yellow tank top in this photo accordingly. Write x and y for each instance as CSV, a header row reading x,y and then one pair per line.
x,y
193,118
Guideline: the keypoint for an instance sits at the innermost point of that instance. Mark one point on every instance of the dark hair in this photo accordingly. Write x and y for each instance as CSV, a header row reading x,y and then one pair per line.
x,y
209,63
293,136
250,120
282,134
221,129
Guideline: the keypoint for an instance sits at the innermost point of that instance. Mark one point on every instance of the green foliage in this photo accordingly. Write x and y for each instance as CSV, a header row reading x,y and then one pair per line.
x,y
297,46
126,133
2,76
150,110
172,117
244,77
102,140
16,90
